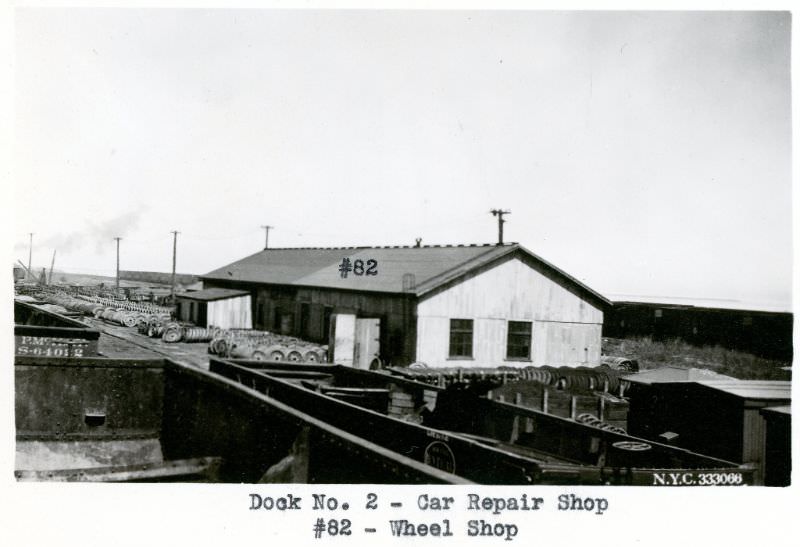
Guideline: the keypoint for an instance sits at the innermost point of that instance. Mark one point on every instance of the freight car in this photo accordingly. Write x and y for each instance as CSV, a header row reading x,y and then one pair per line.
x,y
461,432
126,420
40,332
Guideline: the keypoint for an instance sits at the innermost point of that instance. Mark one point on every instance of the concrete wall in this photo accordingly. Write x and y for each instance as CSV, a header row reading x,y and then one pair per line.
x,y
566,328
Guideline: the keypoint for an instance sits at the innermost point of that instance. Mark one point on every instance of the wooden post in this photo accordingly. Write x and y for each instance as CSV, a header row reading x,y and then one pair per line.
x,y
501,398
545,396
490,395
515,430
601,411
573,404
621,389
518,398
605,385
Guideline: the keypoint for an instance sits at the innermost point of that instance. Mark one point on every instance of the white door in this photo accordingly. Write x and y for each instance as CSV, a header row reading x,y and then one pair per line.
x,y
368,342
343,326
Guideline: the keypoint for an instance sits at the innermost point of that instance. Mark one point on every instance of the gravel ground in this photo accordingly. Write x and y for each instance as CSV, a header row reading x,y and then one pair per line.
x,y
118,341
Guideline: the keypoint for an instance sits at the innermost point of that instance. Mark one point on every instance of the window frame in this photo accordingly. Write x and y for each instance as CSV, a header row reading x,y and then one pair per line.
x,y
461,343
510,333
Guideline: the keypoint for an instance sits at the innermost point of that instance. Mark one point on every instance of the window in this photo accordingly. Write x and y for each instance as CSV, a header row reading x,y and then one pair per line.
x,y
461,338
519,340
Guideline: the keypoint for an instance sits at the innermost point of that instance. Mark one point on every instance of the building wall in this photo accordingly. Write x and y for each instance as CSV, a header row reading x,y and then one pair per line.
x,y
230,313
566,328
227,313
302,312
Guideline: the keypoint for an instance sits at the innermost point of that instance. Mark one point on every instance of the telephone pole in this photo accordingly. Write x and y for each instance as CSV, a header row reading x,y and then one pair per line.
x,y
52,263
266,236
174,259
117,240
499,214
30,252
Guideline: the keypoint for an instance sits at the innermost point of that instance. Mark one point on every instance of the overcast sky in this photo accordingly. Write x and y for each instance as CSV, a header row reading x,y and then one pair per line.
x,y
644,153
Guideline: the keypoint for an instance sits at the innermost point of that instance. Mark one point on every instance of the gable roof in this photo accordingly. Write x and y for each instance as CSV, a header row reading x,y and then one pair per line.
x,y
431,266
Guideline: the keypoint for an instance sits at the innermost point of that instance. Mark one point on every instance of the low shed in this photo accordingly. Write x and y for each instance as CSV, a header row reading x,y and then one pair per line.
x,y
217,307
720,418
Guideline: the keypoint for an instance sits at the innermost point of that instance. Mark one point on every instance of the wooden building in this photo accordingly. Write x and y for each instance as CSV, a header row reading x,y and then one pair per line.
x,y
720,418
465,305
224,308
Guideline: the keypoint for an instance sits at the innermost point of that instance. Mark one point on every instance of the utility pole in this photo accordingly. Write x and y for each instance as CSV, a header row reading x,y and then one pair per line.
x,y
117,240
266,238
30,252
52,263
499,214
174,259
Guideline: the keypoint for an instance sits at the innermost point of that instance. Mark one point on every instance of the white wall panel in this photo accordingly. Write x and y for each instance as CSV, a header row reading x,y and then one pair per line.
x,y
566,328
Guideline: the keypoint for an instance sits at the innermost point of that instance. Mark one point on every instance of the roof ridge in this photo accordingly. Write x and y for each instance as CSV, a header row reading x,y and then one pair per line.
x,y
427,246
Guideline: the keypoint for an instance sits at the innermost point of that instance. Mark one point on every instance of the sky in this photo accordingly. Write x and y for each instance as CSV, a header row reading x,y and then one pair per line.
x,y
644,153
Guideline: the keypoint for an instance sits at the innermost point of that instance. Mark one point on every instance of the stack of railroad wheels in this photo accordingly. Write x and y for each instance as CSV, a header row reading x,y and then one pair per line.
x,y
172,332
264,346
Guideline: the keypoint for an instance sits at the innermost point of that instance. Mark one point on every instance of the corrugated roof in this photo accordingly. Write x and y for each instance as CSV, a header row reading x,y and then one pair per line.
x,y
753,389
677,374
213,294
430,265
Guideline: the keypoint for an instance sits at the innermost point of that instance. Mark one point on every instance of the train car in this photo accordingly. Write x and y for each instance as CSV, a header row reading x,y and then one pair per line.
x,y
142,420
40,332
461,432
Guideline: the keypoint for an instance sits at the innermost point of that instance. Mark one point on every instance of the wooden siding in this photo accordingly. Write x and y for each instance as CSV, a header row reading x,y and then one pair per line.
x,y
230,313
281,309
566,328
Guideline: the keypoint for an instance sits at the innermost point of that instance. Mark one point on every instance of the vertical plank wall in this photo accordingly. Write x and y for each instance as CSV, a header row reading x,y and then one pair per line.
x,y
566,329
230,313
